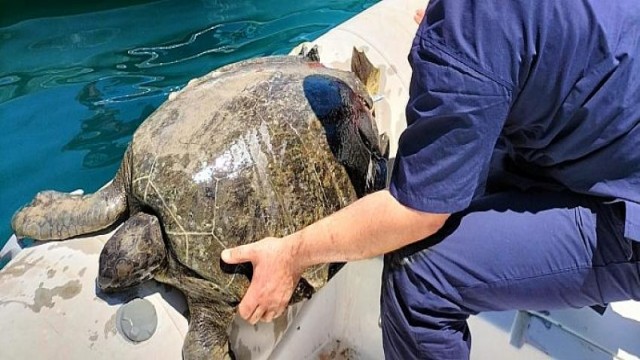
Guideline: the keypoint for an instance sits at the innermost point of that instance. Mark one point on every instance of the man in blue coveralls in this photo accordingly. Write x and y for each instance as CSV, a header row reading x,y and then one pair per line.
x,y
516,184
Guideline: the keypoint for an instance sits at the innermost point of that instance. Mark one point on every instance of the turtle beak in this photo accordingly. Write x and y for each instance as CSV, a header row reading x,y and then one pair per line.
x,y
105,283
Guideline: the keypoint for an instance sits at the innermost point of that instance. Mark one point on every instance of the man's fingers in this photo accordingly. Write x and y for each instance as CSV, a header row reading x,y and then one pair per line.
x,y
419,15
250,303
256,316
270,288
246,308
280,312
237,255
269,316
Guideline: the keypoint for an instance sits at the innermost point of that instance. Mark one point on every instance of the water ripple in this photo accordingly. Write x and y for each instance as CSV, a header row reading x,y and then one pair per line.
x,y
156,52
16,85
9,79
229,37
127,87
78,40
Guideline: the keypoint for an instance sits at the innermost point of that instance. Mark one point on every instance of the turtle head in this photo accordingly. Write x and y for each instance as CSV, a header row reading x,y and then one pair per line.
x,y
133,254
347,117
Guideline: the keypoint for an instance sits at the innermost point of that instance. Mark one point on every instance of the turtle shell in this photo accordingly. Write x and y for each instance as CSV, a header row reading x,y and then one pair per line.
x,y
251,150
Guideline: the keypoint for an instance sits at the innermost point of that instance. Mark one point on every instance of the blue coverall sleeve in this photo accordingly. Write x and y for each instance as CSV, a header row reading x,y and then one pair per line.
x,y
455,114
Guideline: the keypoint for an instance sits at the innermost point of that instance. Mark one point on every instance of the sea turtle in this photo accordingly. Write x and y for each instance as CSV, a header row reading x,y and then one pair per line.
x,y
262,147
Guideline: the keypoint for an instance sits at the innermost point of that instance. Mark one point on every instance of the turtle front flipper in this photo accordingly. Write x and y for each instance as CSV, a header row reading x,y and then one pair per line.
x,y
207,337
53,215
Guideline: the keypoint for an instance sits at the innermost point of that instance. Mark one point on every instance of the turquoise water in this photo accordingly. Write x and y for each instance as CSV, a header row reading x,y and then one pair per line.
x,y
77,79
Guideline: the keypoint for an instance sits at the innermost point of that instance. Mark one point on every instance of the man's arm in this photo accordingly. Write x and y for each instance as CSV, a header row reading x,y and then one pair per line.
x,y
371,226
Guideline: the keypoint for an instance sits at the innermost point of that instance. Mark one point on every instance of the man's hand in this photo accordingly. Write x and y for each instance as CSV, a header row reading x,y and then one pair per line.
x,y
355,232
275,276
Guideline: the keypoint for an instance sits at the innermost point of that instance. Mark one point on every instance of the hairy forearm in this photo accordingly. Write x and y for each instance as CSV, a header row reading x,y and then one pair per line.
x,y
373,225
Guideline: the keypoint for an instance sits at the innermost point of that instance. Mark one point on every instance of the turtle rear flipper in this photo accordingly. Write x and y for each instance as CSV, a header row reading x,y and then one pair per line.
x,y
310,55
54,215
207,336
365,71
307,51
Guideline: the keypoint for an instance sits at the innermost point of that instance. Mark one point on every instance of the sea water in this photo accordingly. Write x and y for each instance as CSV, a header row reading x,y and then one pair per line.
x,y
76,78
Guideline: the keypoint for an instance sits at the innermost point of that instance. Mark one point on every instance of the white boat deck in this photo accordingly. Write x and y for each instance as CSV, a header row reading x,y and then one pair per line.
x,y
50,308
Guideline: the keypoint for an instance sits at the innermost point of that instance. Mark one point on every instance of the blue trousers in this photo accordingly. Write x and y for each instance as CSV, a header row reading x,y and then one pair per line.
x,y
511,250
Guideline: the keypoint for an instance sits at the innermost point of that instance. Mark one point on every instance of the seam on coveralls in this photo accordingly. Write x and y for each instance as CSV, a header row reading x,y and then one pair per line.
x,y
566,270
